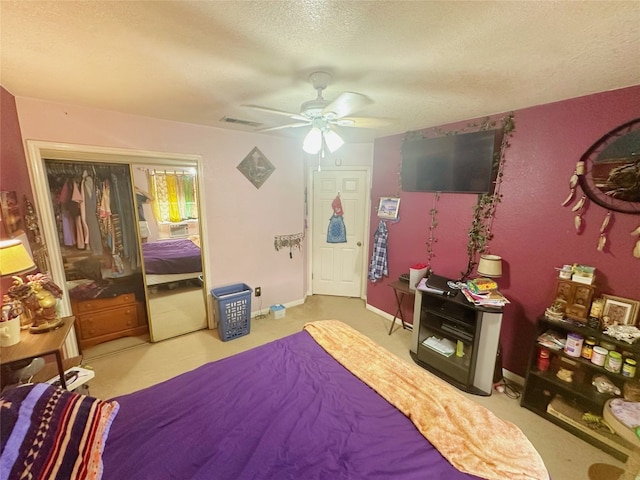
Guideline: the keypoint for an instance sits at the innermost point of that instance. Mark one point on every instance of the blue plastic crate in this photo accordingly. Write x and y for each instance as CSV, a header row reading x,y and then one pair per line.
x,y
233,310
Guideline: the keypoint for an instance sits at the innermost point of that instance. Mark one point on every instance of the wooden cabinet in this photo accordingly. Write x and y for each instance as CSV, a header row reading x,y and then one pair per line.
x,y
565,402
103,319
575,298
473,331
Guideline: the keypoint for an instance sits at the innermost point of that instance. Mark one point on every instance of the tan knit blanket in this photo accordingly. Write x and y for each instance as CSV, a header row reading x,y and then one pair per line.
x,y
468,435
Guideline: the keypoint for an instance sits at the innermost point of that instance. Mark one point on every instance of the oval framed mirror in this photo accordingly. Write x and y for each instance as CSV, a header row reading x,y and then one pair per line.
x,y
611,176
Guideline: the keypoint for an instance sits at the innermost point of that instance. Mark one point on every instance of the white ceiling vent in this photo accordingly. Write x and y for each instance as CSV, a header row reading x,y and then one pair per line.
x,y
238,121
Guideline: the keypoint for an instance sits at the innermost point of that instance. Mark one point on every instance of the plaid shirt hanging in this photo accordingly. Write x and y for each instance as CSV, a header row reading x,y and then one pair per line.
x,y
379,263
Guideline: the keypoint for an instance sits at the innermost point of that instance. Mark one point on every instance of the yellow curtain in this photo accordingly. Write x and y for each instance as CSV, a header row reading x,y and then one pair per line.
x,y
174,196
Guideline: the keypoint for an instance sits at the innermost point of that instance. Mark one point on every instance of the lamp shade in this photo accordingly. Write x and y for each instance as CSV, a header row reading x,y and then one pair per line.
x,y
333,140
490,266
313,141
14,258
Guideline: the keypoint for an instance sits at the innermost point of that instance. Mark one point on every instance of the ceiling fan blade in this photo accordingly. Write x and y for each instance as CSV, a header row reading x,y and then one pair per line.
x,y
363,122
282,127
295,116
345,104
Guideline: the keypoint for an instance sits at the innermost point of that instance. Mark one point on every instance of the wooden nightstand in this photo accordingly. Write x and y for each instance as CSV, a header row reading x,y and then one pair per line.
x,y
34,345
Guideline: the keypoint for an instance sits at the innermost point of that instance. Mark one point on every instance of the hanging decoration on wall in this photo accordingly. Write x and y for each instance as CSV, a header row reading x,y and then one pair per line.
x,y
432,231
481,231
389,208
579,209
288,241
609,175
337,232
636,249
256,167
602,241
40,253
573,183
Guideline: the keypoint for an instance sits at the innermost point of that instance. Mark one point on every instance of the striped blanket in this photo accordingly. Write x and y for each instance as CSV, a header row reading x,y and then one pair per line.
x,y
50,433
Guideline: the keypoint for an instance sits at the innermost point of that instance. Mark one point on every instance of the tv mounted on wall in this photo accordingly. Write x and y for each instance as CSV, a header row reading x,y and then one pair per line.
x,y
461,163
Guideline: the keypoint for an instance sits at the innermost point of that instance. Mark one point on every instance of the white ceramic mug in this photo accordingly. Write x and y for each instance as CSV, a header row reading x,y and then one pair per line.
x,y
10,332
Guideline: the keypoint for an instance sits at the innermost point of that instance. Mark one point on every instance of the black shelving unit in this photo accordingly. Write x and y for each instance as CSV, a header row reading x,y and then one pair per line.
x,y
543,388
455,319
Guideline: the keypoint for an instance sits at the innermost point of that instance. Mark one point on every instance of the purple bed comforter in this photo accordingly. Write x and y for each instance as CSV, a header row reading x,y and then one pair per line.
x,y
285,410
171,256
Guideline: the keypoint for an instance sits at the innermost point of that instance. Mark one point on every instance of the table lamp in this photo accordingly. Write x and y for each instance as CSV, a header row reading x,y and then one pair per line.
x,y
38,296
14,258
490,266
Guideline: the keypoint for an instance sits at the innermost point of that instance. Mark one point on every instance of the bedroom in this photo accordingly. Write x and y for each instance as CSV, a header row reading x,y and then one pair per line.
x,y
529,220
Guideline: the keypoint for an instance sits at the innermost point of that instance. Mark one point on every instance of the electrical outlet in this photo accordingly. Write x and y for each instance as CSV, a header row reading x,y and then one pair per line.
x,y
258,291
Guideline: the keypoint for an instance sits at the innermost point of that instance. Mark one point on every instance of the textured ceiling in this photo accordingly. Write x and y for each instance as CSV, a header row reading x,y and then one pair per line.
x,y
423,63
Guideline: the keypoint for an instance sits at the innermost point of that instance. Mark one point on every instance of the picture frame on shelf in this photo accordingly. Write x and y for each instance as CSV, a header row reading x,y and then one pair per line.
x,y
388,208
623,311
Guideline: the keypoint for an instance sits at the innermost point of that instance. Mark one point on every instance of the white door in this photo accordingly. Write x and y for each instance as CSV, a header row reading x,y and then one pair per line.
x,y
338,267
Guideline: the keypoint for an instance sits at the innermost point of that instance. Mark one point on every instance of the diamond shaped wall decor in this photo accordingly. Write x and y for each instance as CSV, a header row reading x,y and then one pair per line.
x,y
256,167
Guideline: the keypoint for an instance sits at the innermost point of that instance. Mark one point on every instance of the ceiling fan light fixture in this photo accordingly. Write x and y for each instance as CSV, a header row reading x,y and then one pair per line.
x,y
313,141
333,140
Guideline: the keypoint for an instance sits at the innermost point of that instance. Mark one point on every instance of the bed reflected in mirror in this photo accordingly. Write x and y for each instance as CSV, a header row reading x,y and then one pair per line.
x,y
168,214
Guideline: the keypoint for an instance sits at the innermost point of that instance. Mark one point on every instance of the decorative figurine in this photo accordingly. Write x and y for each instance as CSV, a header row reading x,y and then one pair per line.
x,y
39,296
596,313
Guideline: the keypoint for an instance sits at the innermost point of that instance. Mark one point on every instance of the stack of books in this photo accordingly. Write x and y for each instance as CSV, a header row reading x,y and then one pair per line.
x,y
584,274
489,299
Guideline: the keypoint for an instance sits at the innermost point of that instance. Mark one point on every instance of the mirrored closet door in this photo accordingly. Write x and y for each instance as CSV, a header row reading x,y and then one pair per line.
x,y
104,221
169,228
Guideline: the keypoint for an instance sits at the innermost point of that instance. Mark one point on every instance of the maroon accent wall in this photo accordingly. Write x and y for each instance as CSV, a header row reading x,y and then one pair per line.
x,y
533,232
14,175
13,165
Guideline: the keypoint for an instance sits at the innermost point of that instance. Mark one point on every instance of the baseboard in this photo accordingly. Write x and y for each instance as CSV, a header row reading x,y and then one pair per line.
x,y
379,312
267,310
513,377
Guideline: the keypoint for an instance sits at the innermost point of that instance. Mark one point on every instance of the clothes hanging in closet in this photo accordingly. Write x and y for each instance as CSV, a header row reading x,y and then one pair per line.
x,y
91,207
94,209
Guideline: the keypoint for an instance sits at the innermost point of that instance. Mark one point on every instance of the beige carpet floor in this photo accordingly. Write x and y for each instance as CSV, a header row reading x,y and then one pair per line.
x,y
143,364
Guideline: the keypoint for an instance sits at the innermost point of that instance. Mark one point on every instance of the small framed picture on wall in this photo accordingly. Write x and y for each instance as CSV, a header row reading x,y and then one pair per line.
x,y
388,208
10,211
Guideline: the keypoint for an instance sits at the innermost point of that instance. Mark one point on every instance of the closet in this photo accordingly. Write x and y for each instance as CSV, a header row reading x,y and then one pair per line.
x,y
86,198
97,232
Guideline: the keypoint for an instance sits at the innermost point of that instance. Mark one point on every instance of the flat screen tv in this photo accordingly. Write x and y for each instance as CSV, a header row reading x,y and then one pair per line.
x,y
461,163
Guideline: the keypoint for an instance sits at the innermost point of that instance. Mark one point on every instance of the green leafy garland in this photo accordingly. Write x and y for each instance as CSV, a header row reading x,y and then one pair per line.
x,y
432,238
479,233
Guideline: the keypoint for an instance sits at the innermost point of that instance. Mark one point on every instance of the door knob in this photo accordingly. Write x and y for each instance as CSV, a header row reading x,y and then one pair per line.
x,y
359,244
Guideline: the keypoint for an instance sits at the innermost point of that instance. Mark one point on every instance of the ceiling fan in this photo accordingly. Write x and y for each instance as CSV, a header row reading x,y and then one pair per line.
x,y
324,115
